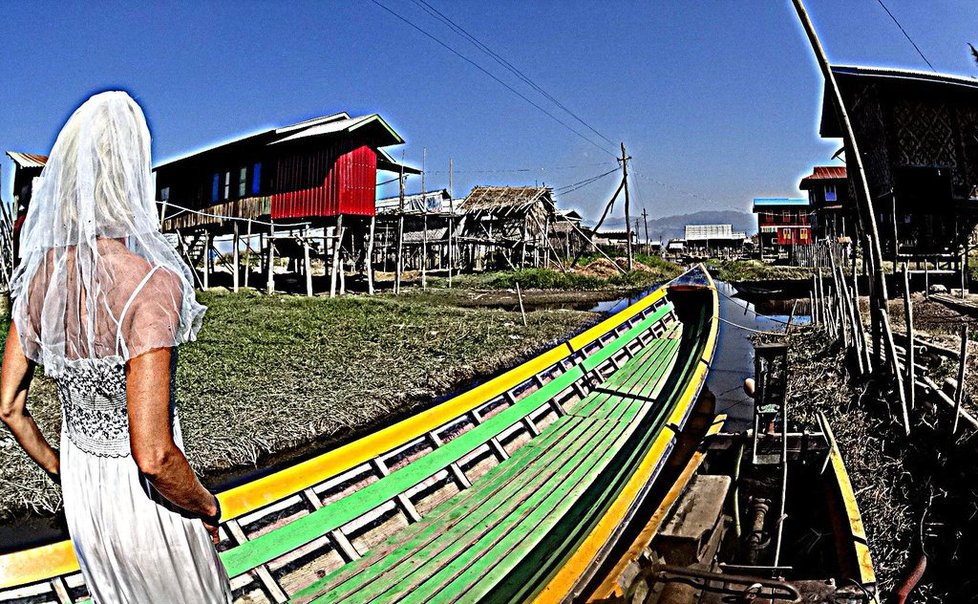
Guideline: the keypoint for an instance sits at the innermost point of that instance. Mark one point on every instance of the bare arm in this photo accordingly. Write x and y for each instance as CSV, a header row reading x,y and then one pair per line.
x,y
15,381
151,436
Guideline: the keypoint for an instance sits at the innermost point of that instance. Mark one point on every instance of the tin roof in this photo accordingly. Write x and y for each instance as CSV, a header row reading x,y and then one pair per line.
x,y
823,173
372,126
27,160
779,201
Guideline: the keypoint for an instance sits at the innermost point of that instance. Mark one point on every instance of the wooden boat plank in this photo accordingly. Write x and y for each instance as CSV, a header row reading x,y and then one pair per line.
x,y
648,383
479,569
302,530
635,367
405,543
608,350
444,537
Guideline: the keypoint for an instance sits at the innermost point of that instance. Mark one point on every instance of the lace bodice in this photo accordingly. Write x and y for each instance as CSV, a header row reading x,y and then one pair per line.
x,y
93,403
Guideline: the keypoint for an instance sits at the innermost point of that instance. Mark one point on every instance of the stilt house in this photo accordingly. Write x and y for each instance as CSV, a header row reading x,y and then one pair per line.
x,y
918,133
508,227
291,187
832,201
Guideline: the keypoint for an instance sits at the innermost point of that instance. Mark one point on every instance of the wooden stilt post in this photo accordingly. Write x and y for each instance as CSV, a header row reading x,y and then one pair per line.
x,y
908,317
370,256
962,264
335,267
962,365
207,260
306,264
926,279
857,313
270,282
236,256
247,270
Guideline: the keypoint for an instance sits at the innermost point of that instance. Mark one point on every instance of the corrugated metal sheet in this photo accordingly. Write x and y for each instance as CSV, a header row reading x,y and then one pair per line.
x,y
779,201
28,160
327,182
823,173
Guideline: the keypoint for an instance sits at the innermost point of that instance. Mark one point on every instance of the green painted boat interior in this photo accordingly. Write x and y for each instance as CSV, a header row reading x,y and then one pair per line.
x,y
502,538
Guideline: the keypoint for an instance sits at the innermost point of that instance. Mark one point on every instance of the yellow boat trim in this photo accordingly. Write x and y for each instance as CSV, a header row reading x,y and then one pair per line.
x,y
610,588
47,562
861,545
37,564
560,585
586,337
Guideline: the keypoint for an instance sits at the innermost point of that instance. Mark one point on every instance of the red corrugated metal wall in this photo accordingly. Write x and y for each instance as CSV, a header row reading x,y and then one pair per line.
x,y
349,186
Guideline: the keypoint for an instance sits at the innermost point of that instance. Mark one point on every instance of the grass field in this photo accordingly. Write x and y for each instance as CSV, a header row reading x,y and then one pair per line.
x,y
275,373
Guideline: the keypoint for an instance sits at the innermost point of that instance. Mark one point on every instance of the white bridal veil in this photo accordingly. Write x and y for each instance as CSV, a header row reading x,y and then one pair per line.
x,y
97,280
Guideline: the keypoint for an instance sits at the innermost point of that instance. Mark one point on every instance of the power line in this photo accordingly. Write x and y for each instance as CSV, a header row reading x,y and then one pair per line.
x,y
583,183
493,76
520,170
907,36
506,64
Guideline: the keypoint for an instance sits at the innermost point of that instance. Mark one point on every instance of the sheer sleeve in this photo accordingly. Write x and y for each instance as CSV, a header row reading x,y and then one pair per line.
x,y
155,316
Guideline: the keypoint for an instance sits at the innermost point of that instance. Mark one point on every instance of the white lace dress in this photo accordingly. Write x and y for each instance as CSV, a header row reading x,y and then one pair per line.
x,y
132,544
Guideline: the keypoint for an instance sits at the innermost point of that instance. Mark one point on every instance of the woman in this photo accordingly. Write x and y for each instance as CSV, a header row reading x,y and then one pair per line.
x,y
101,300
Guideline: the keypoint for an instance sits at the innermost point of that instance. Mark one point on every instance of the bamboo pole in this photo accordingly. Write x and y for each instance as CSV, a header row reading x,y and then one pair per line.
x,y
863,348
519,295
897,373
962,367
908,318
399,265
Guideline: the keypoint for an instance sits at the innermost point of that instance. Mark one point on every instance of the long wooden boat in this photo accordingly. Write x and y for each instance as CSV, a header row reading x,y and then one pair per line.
x,y
713,533
510,491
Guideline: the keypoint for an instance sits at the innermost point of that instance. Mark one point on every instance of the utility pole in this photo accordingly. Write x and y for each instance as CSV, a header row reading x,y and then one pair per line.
x,y
628,221
451,217
424,222
648,243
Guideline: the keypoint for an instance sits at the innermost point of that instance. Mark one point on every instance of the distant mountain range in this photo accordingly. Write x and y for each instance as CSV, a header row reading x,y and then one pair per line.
x,y
673,227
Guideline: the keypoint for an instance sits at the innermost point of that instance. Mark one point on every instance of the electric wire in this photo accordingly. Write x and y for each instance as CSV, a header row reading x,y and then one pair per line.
x,y
503,62
493,76
907,36
583,183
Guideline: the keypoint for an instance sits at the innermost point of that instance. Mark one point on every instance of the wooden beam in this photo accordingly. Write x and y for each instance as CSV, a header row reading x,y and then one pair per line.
x,y
236,260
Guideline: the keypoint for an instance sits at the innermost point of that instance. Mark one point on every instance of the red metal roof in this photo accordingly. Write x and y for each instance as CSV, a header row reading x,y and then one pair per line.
x,y
823,173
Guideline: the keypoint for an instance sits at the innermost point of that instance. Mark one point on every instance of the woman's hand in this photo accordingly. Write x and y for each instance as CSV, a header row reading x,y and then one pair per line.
x,y
212,523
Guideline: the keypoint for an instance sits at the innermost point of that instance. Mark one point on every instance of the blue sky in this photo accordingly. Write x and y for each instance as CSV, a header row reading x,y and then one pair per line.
x,y
717,102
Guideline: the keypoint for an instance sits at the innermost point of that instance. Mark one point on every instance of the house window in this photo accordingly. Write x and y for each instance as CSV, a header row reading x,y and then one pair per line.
x,y
256,178
803,234
227,185
830,193
165,194
243,182
216,188
786,216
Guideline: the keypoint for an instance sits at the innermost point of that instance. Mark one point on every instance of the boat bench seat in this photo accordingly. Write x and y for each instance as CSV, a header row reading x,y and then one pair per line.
x,y
608,426
496,536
